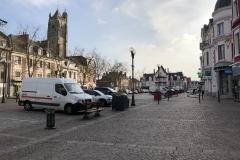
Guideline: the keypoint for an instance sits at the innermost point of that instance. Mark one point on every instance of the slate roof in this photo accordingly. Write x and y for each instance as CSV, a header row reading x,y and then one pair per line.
x,y
147,76
175,77
222,3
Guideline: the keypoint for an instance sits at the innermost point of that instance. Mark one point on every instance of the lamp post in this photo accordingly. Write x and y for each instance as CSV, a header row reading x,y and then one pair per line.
x,y
4,80
133,52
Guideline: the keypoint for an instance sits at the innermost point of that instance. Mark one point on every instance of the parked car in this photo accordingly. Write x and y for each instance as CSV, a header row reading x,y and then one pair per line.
x,y
105,100
126,91
145,90
106,90
190,91
135,91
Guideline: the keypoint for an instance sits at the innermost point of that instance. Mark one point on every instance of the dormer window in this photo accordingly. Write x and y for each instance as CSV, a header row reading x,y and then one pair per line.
x,y
39,52
30,49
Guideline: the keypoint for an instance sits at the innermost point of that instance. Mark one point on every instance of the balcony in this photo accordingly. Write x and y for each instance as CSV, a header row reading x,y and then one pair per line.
x,y
206,43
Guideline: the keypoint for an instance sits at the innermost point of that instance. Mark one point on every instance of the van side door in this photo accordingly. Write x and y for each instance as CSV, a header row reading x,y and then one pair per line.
x,y
59,99
44,95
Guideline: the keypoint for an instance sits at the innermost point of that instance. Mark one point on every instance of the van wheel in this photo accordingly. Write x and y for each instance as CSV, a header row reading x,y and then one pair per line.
x,y
69,109
102,103
27,106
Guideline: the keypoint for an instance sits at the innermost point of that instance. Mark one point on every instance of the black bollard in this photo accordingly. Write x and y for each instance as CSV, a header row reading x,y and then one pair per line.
x,y
158,97
50,123
218,96
199,97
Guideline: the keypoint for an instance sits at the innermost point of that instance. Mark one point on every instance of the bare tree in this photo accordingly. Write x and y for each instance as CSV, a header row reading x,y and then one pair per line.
x,y
35,50
139,73
85,63
116,72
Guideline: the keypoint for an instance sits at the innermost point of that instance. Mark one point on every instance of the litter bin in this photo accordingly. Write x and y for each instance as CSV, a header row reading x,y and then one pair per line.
x,y
50,124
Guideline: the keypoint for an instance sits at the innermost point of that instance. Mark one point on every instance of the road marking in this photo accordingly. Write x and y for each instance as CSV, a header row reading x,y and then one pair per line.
x,y
18,120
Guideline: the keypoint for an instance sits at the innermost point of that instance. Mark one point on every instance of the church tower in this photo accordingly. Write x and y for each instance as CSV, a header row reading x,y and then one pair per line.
x,y
58,33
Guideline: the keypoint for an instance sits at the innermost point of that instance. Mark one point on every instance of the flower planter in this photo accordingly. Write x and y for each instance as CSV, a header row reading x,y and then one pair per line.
x,y
120,102
156,94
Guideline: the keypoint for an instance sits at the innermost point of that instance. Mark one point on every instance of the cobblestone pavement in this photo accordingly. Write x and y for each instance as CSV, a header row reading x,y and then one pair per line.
x,y
181,128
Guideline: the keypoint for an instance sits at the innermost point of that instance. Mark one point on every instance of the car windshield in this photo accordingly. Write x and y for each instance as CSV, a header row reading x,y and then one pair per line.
x,y
112,90
73,88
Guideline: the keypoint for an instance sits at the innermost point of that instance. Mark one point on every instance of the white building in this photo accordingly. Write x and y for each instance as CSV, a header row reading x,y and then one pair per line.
x,y
217,52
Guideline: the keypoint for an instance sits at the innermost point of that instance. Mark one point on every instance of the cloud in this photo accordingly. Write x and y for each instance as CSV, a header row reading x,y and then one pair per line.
x,y
101,21
170,49
116,9
98,6
148,46
40,3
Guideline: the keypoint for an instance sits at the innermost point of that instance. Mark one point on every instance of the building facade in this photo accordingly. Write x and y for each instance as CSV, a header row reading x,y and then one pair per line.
x,y
236,45
217,51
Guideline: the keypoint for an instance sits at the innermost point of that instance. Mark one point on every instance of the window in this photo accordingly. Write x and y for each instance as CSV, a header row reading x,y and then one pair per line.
x,y
17,74
39,64
39,52
237,44
59,88
235,9
18,60
48,65
30,49
70,74
48,75
39,75
221,52
30,62
74,75
220,29
207,57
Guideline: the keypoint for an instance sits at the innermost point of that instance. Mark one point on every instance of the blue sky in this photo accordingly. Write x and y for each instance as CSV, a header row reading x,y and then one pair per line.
x,y
165,32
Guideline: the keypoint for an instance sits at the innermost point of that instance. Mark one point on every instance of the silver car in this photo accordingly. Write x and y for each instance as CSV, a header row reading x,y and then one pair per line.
x,y
105,100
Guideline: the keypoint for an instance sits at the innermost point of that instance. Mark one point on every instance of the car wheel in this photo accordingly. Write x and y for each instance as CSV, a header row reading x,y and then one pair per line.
x,y
69,109
102,103
27,106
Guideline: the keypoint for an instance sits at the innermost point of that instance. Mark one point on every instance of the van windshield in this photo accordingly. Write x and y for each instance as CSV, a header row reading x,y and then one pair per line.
x,y
73,88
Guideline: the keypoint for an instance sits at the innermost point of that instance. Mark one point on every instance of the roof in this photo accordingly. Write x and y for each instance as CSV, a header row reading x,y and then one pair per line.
x,y
147,76
222,3
175,75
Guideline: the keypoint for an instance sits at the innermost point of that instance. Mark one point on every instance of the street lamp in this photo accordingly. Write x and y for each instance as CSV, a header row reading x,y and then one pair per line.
x,y
178,78
4,79
133,52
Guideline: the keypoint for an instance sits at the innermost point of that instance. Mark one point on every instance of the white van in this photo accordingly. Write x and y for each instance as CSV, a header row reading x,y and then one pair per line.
x,y
55,93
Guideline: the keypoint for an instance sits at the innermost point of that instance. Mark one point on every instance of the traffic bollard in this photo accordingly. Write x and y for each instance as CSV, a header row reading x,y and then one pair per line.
x,y
50,123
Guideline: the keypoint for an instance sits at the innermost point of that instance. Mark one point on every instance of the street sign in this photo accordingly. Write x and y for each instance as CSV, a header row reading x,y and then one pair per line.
x,y
228,72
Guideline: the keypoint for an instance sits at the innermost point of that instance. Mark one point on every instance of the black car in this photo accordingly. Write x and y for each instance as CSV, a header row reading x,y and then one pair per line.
x,y
106,90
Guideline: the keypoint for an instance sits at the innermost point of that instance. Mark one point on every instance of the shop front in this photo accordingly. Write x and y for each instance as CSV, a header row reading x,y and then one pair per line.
x,y
224,78
236,76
